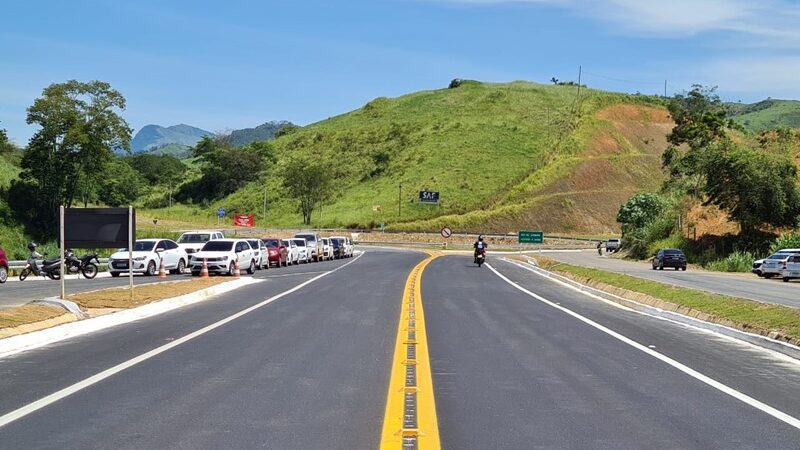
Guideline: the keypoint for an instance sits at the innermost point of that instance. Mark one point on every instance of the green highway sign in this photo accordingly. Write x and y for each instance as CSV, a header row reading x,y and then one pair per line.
x,y
531,237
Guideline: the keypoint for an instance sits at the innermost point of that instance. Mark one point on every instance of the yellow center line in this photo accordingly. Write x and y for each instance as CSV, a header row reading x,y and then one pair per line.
x,y
410,418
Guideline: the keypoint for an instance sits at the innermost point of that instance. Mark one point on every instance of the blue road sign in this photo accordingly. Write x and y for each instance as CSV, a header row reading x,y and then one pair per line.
x,y
221,212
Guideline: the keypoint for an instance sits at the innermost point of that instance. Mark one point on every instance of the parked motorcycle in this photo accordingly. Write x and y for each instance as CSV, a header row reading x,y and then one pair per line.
x,y
87,264
480,256
49,268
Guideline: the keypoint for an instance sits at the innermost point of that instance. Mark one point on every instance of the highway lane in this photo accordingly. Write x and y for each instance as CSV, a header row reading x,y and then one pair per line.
x,y
307,371
746,286
311,369
512,372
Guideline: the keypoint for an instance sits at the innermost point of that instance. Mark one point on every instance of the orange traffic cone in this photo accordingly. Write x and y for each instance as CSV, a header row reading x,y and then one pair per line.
x,y
162,271
236,272
204,270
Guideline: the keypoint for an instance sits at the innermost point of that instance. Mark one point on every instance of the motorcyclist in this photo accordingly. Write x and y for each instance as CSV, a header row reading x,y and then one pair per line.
x,y
600,248
479,245
32,248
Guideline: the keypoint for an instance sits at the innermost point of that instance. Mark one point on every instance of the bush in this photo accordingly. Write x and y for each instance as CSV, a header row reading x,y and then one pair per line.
x,y
789,240
735,262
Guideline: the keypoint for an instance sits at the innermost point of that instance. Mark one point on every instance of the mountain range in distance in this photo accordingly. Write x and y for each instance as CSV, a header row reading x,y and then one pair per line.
x,y
177,140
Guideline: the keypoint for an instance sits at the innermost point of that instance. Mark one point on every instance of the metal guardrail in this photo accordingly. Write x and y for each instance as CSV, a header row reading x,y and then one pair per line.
x,y
22,264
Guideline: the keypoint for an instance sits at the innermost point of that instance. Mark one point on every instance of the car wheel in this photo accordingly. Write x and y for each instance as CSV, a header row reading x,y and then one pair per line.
x,y
252,269
683,269
3,274
661,267
785,279
231,270
114,274
151,269
181,267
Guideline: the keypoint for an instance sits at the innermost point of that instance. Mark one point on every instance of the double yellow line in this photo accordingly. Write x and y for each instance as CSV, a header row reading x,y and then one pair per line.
x,y
410,418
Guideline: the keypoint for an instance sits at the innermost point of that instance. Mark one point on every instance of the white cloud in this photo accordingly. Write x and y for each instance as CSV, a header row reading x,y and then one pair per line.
x,y
772,22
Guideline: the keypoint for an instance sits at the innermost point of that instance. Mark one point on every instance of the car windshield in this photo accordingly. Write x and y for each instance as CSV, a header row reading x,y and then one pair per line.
x,y
218,246
271,243
142,246
253,243
194,238
308,237
300,242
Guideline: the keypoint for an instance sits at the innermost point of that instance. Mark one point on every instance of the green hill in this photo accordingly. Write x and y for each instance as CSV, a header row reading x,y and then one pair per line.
x,y
503,157
767,114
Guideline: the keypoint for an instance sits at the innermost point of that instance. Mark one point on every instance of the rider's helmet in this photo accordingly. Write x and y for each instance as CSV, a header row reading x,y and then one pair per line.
x,y
32,246
480,238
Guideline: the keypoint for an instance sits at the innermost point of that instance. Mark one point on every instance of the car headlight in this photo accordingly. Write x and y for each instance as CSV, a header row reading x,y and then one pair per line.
x,y
225,258
140,258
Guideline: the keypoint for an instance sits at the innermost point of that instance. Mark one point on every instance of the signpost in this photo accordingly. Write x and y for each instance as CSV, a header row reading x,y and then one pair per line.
x,y
446,232
429,197
531,237
220,214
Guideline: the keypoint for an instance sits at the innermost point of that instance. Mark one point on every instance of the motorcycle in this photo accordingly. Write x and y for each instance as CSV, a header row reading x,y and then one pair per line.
x,y
85,264
480,256
49,268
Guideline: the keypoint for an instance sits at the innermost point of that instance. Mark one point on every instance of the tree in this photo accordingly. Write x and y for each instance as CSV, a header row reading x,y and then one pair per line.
x,y
755,188
157,169
80,127
120,186
640,210
309,181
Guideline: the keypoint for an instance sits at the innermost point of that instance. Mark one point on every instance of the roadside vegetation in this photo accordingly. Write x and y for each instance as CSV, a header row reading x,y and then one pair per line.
x,y
743,314
712,163
143,294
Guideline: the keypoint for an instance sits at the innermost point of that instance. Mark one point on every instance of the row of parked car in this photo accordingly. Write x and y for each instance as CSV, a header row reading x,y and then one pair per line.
x,y
193,249
784,263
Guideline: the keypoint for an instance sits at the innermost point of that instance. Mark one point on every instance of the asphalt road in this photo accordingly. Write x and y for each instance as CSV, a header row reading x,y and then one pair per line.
x,y
311,369
747,286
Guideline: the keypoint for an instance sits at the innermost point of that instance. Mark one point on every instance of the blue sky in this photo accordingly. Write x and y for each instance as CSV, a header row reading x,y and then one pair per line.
x,y
226,65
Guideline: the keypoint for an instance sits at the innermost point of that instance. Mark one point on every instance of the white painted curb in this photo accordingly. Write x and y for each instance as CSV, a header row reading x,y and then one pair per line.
x,y
29,341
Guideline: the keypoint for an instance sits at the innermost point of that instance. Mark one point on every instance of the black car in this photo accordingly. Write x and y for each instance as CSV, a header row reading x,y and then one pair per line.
x,y
338,247
669,257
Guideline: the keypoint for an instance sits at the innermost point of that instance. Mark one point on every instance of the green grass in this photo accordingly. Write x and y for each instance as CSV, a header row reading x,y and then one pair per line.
x,y
487,148
767,114
744,312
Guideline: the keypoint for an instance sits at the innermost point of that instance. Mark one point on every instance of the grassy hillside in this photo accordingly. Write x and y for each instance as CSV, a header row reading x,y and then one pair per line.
x,y
767,114
503,156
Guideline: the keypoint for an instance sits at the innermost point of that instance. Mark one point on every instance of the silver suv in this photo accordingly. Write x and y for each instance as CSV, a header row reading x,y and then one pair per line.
x,y
313,243
773,265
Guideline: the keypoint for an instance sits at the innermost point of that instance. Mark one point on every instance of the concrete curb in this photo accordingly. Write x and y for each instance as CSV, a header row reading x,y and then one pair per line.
x,y
16,344
71,307
785,348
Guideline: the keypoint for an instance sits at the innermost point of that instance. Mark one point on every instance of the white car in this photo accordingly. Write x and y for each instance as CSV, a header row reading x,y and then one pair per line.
x,y
327,248
221,255
262,262
147,255
791,269
292,252
193,241
303,251
347,251
313,243
773,265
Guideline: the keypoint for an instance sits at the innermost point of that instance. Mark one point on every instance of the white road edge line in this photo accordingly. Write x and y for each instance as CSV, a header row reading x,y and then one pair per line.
x,y
773,353
67,391
780,415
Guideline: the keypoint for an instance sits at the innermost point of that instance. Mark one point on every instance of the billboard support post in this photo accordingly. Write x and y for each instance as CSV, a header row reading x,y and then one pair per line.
x,y
130,250
61,239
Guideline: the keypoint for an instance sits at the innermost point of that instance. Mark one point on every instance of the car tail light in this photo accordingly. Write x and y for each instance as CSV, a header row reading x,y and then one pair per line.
x,y
784,264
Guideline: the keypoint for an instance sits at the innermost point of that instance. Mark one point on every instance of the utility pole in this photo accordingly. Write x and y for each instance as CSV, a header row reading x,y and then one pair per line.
x,y
400,202
578,98
265,206
665,89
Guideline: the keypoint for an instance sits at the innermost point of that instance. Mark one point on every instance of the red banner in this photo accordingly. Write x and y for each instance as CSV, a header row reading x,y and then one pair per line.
x,y
244,220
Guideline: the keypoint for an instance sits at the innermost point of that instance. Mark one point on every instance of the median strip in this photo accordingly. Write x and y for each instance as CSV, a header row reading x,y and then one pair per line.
x,y
410,419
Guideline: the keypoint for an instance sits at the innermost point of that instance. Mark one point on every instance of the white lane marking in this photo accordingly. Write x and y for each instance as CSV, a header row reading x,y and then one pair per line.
x,y
56,396
780,415
290,274
782,357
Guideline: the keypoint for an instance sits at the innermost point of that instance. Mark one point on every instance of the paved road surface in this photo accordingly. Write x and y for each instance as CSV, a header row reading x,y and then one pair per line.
x,y
738,285
311,369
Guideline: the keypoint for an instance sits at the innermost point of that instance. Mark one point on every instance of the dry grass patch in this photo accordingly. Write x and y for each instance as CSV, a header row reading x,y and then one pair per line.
x,y
21,315
143,294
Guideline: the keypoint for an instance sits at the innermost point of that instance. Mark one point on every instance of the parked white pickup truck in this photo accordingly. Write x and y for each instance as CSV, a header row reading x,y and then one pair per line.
x,y
791,268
